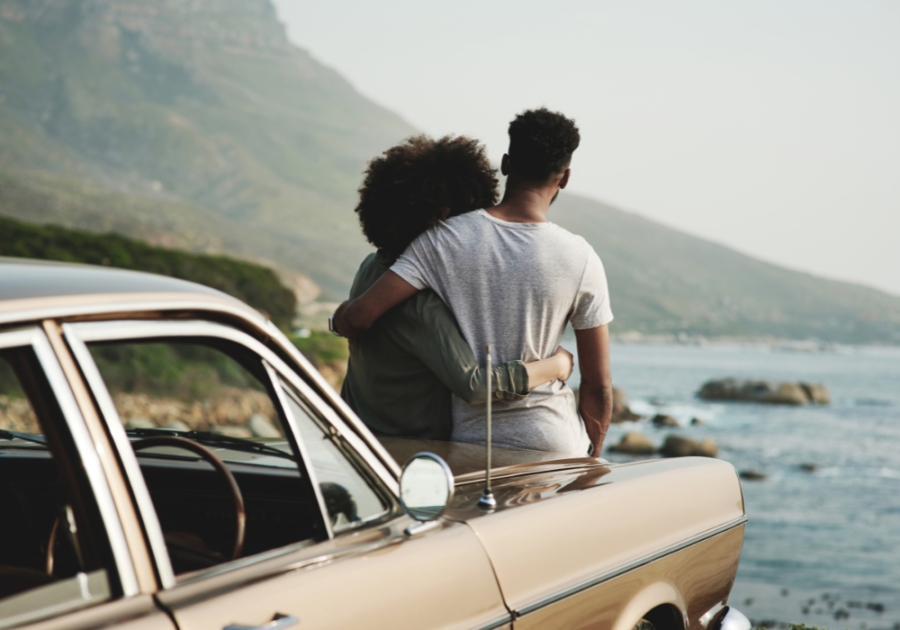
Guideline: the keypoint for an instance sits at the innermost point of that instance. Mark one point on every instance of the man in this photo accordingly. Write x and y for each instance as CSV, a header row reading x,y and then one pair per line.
x,y
514,280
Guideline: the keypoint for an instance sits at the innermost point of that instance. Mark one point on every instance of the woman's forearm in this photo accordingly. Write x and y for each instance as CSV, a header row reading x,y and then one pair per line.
x,y
558,366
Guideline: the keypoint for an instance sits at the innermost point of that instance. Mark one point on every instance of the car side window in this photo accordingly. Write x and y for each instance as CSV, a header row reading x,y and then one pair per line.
x,y
48,565
184,403
349,493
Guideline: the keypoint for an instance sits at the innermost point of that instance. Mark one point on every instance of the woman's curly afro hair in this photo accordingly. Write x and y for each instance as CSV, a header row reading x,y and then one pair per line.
x,y
420,182
541,144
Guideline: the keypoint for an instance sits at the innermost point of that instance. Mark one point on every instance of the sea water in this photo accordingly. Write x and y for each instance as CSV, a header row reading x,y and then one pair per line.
x,y
822,544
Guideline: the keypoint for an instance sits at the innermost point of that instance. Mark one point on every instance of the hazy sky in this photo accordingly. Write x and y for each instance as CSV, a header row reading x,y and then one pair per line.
x,y
772,126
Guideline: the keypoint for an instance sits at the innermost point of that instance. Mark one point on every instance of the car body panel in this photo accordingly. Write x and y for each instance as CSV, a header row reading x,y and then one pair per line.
x,y
692,581
374,579
134,613
554,531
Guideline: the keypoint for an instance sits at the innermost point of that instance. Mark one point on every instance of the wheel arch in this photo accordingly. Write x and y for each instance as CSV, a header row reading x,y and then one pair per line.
x,y
660,603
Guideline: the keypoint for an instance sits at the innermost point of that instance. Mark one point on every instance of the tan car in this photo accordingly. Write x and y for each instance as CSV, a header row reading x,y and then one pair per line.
x,y
168,460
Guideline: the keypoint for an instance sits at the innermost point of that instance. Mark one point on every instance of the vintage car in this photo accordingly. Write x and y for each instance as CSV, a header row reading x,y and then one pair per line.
x,y
170,461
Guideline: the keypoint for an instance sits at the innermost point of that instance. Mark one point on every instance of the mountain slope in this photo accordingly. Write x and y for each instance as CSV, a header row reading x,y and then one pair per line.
x,y
206,102
662,280
197,125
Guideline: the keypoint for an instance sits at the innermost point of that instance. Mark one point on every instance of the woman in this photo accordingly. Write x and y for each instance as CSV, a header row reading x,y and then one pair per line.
x,y
403,370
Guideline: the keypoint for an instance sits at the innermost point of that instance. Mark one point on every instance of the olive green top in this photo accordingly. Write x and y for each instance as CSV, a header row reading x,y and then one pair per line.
x,y
403,369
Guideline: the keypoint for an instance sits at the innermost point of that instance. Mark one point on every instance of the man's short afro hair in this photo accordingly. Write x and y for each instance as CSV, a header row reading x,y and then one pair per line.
x,y
541,144
420,182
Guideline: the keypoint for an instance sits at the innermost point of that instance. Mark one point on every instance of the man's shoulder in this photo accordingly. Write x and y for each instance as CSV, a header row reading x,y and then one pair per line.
x,y
575,242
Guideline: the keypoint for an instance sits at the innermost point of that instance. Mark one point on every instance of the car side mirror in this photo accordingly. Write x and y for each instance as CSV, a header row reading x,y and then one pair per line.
x,y
426,487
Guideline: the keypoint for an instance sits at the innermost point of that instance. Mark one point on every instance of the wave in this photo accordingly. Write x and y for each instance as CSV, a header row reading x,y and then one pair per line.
x,y
859,472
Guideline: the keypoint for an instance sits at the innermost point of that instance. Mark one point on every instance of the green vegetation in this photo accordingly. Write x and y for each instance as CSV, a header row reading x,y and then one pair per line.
x,y
256,285
9,382
186,371
322,347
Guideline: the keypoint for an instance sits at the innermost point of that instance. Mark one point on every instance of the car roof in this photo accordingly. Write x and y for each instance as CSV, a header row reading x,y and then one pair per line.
x,y
22,279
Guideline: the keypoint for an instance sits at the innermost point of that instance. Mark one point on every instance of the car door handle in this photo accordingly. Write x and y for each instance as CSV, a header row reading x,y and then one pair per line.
x,y
278,622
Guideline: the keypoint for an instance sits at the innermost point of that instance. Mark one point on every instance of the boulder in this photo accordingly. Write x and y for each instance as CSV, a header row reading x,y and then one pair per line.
x,y
662,420
232,431
621,412
261,427
817,393
680,446
760,391
137,422
752,475
634,444
707,448
697,422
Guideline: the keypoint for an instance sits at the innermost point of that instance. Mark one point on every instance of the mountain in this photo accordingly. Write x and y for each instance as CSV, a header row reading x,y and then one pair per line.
x,y
664,281
196,125
204,105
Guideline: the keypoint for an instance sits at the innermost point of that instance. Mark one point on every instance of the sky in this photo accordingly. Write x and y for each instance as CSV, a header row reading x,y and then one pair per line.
x,y
771,126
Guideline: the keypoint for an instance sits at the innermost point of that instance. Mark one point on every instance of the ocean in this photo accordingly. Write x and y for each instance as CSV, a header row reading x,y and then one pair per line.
x,y
822,544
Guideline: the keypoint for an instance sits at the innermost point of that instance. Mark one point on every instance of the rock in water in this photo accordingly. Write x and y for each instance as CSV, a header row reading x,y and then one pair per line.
x,y
769,392
634,444
662,420
752,475
707,448
817,393
621,411
680,446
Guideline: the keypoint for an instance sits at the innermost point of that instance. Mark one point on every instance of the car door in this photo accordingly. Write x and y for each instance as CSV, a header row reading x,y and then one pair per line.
x,y
359,560
65,561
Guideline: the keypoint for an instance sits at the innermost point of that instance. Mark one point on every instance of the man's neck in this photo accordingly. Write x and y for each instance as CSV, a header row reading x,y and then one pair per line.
x,y
524,203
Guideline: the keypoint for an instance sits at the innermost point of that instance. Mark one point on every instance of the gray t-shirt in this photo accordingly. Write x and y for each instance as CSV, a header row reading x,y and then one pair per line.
x,y
514,286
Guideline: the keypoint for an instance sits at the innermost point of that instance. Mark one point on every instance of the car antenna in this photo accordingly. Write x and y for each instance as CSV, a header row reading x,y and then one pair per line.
x,y
487,501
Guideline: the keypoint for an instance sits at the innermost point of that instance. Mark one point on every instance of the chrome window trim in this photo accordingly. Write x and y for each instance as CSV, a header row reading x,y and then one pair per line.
x,y
298,439
113,307
495,623
114,425
625,568
87,450
392,502
386,460
132,329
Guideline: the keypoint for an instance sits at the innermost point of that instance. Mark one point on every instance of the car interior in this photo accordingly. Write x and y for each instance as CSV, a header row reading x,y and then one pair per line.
x,y
198,507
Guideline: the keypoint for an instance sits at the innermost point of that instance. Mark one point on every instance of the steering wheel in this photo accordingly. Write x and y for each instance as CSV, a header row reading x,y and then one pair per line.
x,y
239,512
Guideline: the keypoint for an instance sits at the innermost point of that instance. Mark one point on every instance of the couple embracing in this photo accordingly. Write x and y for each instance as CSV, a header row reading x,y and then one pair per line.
x,y
456,271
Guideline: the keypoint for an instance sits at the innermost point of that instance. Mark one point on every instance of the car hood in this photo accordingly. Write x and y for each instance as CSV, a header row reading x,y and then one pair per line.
x,y
559,524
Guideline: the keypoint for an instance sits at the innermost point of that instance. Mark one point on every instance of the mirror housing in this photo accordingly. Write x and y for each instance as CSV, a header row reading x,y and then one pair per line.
x,y
426,487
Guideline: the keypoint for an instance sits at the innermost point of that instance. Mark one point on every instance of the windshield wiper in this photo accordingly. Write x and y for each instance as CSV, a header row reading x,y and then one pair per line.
x,y
26,437
208,437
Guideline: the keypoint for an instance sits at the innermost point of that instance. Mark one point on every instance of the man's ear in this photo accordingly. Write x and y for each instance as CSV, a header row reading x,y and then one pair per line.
x,y
504,164
564,181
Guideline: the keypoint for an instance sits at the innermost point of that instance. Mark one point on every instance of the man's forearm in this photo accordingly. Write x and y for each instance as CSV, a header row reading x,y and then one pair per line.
x,y
595,405
350,320
596,383
354,317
